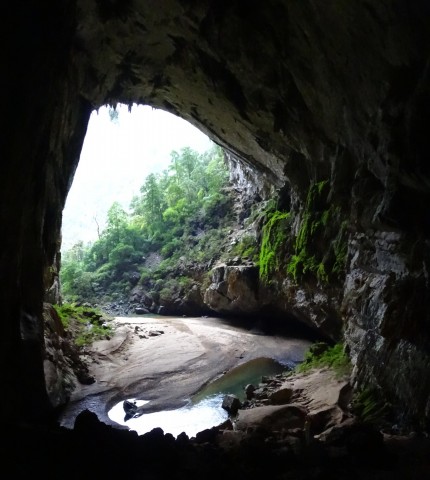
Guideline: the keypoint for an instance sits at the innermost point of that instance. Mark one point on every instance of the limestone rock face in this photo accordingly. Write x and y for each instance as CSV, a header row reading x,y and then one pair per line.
x,y
63,367
387,313
302,92
233,290
250,185
238,290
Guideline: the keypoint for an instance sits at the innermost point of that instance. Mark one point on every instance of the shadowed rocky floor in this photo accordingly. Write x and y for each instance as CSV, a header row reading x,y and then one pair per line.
x,y
293,426
168,359
286,450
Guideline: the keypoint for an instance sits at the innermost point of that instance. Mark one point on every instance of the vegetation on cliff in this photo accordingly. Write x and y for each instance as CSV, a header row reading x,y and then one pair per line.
x,y
274,237
322,355
179,218
85,324
317,250
320,245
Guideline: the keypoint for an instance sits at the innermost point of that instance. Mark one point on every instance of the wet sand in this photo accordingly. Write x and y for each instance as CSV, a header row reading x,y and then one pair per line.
x,y
168,368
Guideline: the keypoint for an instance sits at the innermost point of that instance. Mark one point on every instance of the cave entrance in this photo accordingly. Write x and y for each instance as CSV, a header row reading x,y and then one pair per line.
x,y
145,185
148,265
122,146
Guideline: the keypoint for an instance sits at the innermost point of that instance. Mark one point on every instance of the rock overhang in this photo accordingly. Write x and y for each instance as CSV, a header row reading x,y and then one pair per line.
x,y
301,91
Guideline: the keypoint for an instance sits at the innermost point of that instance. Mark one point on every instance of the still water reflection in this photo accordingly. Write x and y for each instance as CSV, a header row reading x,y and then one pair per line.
x,y
205,408
190,419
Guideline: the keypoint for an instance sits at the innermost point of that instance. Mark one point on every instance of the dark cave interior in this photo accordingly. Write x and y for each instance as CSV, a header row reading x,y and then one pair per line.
x,y
301,91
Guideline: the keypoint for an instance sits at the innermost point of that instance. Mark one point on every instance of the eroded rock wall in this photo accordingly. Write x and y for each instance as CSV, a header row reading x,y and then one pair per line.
x,y
304,92
45,122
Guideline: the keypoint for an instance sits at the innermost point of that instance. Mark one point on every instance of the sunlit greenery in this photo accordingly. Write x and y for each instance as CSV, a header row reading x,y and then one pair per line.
x,y
86,324
274,239
320,248
179,214
322,355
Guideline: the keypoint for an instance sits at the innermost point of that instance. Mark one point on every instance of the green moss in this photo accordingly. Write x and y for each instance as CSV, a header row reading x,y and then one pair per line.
x,y
325,217
321,273
86,324
303,261
247,247
316,254
69,311
320,186
340,248
322,355
293,267
273,240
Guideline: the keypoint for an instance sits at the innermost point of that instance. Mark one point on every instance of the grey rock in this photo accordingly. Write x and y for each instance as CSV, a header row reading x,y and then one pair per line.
x,y
231,404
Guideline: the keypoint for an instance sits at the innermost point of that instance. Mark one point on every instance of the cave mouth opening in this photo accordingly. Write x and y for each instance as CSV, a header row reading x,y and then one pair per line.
x,y
129,179
116,246
122,146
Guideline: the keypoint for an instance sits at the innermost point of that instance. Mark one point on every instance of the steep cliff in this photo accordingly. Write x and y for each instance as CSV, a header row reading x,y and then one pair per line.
x,y
328,101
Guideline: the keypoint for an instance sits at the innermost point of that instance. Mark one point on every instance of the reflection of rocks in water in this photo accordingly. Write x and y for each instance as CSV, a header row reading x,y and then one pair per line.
x,y
130,409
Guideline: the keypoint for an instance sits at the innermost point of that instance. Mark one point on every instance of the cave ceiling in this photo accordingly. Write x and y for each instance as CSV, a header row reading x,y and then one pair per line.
x,y
285,85
302,90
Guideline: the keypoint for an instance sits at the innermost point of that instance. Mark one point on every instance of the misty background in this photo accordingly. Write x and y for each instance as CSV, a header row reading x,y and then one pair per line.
x,y
119,152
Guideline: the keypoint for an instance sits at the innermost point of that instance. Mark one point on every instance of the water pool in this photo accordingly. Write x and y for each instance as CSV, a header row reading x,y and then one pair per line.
x,y
204,409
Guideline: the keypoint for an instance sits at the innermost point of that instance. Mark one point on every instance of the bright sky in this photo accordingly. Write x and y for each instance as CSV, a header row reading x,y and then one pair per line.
x,y
115,160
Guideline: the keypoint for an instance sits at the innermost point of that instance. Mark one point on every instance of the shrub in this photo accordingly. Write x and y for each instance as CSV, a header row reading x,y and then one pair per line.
x,y
370,407
322,355
247,247
86,324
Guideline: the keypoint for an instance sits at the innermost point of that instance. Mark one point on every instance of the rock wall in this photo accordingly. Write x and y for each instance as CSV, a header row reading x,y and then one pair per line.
x,y
303,92
234,290
44,127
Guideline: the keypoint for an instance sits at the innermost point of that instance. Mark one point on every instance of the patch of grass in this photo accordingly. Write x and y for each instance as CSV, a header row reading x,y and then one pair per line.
x,y
322,355
85,324
369,407
247,247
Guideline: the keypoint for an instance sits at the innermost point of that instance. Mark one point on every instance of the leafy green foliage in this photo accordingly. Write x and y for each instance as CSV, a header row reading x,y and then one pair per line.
x,y
247,248
321,245
322,355
179,213
274,238
88,324
370,407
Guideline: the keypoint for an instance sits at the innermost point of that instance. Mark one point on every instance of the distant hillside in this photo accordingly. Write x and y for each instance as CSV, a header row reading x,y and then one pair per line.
x,y
116,158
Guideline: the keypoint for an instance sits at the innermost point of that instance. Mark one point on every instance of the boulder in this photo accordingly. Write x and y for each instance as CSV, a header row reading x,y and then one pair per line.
x,y
271,417
231,403
249,391
281,396
140,310
234,289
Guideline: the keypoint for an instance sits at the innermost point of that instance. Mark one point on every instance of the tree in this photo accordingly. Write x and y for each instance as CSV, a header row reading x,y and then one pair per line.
x,y
121,256
176,214
152,201
116,222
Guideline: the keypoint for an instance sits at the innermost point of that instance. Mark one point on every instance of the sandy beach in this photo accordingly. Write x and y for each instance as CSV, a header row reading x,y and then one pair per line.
x,y
168,359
